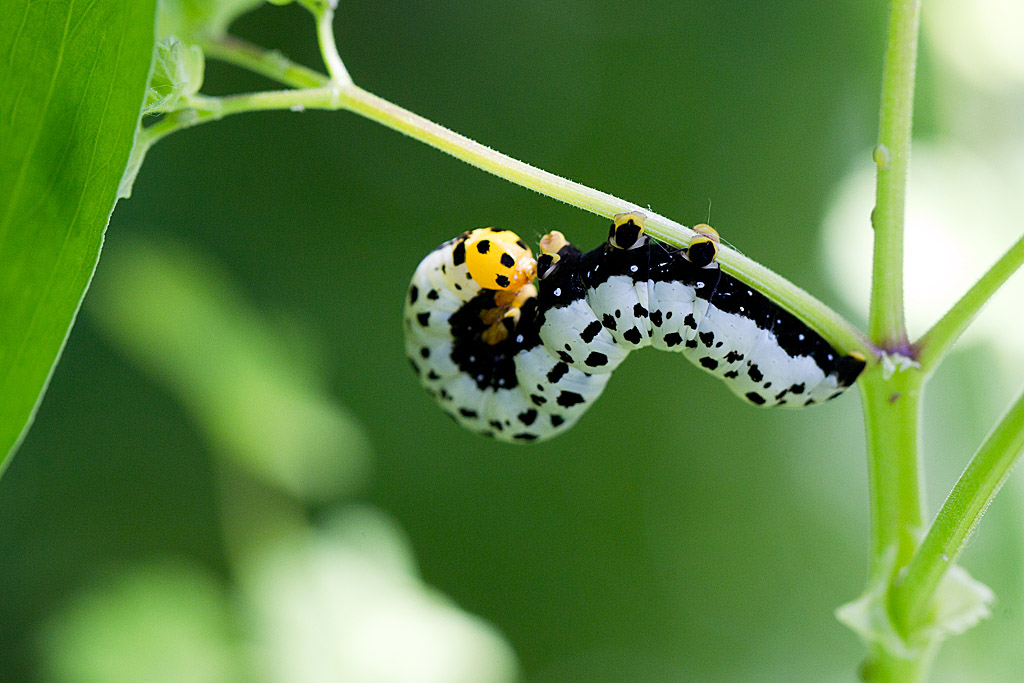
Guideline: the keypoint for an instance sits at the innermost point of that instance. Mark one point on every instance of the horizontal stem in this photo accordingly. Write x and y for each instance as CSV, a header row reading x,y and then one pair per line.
x,y
959,515
936,342
821,317
845,336
206,109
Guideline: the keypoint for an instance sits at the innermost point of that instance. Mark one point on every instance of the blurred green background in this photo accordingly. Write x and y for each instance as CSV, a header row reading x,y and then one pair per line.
x,y
234,452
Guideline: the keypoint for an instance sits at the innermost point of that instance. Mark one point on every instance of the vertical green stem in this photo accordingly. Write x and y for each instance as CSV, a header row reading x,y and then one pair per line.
x,y
891,398
892,419
886,325
881,666
891,416
325,35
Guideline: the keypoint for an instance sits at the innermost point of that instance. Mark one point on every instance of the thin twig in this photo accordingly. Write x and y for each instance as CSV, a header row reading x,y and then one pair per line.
x,y
959,515
936,342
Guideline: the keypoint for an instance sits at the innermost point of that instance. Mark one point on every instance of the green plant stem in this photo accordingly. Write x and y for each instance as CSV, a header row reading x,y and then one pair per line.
x,y
886,326
329,50
936,342
959,515
891,397
207,109
881,666
269,63
823,319
892,418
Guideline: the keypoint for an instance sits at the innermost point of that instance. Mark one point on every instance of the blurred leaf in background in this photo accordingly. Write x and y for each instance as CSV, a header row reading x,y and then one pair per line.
x,y
341,604
159,623
255,388
193,20
334,602
344,604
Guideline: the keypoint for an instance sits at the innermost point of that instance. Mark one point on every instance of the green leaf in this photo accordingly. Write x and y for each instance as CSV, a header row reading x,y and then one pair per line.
x,y
195,20
960,602
177,74
73,76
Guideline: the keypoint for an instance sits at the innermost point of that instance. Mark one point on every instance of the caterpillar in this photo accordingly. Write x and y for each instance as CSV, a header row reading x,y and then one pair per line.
x,y
522,361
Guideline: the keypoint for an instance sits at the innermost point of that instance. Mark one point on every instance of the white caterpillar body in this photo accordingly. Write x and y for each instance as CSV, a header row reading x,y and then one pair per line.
x,y
514,390
559,343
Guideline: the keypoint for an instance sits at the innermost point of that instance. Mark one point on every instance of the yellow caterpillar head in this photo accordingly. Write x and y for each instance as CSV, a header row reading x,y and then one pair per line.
x,y
498,259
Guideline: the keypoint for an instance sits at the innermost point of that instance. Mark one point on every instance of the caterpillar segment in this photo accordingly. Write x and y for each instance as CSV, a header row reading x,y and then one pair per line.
x,y
567,323
522,362
766,355
477,350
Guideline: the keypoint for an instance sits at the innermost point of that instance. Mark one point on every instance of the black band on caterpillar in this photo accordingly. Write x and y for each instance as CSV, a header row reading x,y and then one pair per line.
x,y
521,363
478,351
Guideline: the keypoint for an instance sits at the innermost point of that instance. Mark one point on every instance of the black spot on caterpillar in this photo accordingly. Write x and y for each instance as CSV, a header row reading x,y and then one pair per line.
x,y
497,350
